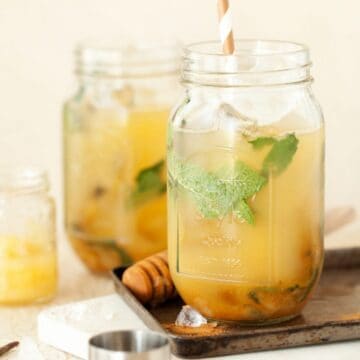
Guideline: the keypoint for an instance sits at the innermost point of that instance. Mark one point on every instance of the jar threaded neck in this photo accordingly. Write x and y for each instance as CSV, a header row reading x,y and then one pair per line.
x,y
254,63
127,61
23,179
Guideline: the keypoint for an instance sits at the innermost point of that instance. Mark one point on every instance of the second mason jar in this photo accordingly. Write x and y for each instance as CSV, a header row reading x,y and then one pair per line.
x,y
28,261
114,152
245,175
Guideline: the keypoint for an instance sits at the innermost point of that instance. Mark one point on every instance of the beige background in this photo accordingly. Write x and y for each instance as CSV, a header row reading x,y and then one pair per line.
x,y
36,42
37,38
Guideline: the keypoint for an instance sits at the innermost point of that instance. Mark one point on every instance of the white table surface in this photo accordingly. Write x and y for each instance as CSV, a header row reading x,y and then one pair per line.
x,y
76,283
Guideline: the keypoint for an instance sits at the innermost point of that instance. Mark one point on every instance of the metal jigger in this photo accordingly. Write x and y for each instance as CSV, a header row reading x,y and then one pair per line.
x,y
129,345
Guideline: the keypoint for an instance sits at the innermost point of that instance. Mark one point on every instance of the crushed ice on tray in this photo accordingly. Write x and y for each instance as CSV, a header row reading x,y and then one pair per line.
x,y
190,317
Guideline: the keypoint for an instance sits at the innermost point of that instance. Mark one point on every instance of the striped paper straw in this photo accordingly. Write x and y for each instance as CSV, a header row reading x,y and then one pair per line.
x,y
225,27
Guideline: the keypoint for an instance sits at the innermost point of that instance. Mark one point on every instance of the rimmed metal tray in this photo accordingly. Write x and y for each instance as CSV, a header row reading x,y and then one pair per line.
x,y
333,314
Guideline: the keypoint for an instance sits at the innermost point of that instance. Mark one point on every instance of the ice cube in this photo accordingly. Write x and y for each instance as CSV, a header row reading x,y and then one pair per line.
x,y
190,317
198,115
125,96
231,119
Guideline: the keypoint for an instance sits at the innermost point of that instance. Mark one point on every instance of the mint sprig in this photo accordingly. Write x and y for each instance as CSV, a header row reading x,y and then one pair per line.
x,y
280,155
243,210
228,189
149,183
218,193
262,141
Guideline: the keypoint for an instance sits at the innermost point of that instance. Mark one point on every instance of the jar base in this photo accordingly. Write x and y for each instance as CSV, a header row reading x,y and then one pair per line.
x,y
255,323
99,257
28,302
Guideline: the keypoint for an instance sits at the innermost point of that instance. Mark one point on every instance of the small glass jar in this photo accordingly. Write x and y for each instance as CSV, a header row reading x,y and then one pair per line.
x,y
246,182
115,145
28,262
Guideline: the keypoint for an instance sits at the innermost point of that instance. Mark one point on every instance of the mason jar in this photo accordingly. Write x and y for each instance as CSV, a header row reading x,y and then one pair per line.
x,y
28,262
114,152
246,182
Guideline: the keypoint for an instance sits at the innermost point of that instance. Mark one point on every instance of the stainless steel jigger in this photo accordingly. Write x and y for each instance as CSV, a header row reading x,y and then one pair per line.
x,y
129,345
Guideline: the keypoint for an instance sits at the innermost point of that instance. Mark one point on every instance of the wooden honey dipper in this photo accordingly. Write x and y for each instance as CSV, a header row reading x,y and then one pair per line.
x,y
149,280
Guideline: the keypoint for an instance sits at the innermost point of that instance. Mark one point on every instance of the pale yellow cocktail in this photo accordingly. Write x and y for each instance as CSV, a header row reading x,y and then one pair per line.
x,y
116,186
245,221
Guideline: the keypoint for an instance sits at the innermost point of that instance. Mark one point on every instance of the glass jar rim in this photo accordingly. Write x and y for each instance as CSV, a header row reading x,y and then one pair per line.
x,y
263,47
23,179
125,59
254,62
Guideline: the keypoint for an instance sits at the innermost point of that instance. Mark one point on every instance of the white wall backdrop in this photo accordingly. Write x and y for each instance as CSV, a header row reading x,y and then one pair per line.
x,y
37,38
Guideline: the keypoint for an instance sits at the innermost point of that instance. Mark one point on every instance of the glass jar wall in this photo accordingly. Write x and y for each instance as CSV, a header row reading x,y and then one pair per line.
x,y
28,263
245,182
115,144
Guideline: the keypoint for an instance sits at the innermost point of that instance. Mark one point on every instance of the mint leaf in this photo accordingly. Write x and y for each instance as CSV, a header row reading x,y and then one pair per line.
x,y
204,187
243,211
219,193
280,155
149,178
149,183
310,285
260,142
249,182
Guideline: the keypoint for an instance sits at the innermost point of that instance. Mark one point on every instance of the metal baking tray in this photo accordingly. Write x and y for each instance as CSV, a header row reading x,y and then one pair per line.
x,y
332,314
